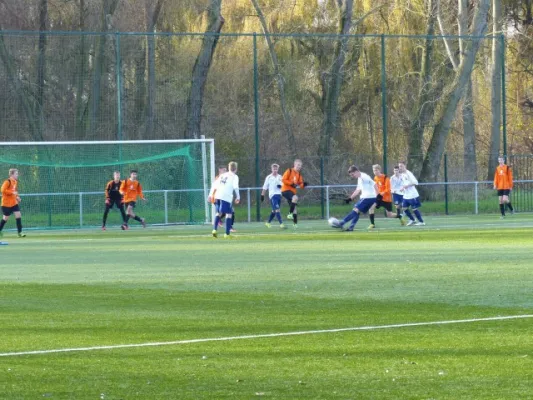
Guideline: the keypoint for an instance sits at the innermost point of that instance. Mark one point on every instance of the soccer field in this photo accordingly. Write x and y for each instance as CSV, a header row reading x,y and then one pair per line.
x,y
443,311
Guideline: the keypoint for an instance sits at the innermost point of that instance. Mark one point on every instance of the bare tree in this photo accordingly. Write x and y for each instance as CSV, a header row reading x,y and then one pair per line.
x,y
201,69
331,124
446,115
279,78
41,65
496,87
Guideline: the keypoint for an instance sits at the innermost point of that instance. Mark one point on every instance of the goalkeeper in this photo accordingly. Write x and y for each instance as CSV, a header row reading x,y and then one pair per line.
x,y
112,198
292,178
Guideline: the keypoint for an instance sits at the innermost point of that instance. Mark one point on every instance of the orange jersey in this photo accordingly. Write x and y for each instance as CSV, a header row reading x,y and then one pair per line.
x,y
503,177
290,177
130,190
9,193
383,183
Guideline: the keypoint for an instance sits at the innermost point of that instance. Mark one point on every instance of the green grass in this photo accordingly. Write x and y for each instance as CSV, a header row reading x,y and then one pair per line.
x,y
89,288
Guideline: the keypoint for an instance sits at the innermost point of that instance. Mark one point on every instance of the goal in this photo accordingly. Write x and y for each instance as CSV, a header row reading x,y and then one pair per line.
x,y
62,183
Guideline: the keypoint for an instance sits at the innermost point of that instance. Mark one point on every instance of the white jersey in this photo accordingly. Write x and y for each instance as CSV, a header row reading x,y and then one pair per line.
x,y
409,179
271,184
227,183
396,184
367,186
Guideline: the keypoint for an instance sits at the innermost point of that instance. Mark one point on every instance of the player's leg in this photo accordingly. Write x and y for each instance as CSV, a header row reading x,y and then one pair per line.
x,y
294,210
120,207
108,206
6,212
232,220
405,205
129,213
507,201
276,206
372,216
500,201
18,219
416,211
272,213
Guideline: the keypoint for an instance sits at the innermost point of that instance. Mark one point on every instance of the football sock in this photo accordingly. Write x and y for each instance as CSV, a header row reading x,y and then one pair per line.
x,y
354,220
106,213
19,224
293,206
409,215
272,214
2,223
349,217
502,209
372,218
418,215
232,219
228,226
137,218
295,218
278,216
509,206
398,214
217,221
127,218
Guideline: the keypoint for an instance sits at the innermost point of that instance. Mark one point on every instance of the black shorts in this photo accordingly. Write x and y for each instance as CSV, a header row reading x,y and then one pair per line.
x,y
387,205
504,192
288,195
130,204
7,211
114,202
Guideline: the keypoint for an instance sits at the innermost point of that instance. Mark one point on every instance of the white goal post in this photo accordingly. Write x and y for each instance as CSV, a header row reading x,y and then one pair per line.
x,y
61,178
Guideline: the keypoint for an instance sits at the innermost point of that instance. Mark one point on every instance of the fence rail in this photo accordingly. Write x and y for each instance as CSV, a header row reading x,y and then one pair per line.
x,y
164,207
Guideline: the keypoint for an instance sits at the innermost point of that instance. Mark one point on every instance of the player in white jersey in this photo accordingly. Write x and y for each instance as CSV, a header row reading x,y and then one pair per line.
x,y
273,184
411,198
396,184
228,184
367,191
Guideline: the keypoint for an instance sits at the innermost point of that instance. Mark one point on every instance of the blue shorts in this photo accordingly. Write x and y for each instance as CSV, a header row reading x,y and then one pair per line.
x,y
364,205
225,207
413,203
397,199
276,202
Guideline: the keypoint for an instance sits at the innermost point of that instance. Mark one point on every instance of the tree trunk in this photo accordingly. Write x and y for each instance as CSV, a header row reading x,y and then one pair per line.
x,y
24,97
151,21
496,88
41,66
445,118
425,108
331,124
108,9
80,79
201,70
469,122
279,79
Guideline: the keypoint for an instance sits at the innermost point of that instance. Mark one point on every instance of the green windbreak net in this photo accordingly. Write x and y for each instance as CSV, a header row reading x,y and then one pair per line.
x,y
62,185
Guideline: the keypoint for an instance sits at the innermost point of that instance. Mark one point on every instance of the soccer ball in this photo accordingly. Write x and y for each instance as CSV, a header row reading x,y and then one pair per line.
x,y
333,222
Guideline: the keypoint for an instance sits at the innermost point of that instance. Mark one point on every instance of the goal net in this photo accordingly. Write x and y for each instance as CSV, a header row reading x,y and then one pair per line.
x,y
62,184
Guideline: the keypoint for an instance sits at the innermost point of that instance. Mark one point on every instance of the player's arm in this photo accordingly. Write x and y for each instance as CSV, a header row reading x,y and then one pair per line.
x,y
6,188
140,192
122,189
301,181
263,192
236,190
510,174
496,179
387,186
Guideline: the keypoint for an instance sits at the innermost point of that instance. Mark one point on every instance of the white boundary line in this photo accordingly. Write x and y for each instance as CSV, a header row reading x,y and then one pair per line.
x,y
266,335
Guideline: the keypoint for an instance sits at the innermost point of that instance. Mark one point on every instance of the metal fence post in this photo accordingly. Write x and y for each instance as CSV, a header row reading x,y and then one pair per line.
x,y
384,102
476,206
165,194
249,202
256,120
118,78
81,209
446,184
322,188
504,99
327,202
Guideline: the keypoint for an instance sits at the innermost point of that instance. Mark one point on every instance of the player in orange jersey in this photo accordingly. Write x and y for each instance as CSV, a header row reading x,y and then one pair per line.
x,y
131,189
291,179
10,201
384,197
503,183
